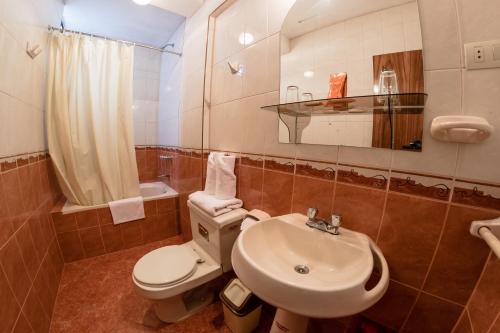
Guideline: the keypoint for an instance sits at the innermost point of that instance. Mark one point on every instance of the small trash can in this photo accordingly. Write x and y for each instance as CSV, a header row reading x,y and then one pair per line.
x,y
242,309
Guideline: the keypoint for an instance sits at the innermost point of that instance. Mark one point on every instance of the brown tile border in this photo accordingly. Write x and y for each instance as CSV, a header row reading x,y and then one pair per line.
x,y
257,161
409,186
196,154
327,173
283,165
352,174
7,165
17,161
354,177
475,197
22,161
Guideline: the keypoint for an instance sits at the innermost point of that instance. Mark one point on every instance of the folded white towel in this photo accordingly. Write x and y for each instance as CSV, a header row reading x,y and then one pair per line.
x,y
225,186
212,205
211,174
126,210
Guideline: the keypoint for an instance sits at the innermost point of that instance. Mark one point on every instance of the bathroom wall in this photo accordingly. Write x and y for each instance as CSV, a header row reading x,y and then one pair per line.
x,y
182,140
171,92
30,259
147,65
416,206
22,82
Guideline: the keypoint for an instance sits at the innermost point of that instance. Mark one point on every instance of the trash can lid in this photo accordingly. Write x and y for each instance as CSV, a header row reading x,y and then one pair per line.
x,y
235,295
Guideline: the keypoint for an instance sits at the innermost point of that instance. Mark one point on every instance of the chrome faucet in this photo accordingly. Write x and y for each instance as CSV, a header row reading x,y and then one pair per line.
x,y
320,224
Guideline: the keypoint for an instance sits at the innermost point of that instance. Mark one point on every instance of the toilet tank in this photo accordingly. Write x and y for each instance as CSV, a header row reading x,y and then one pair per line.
x,y
216,235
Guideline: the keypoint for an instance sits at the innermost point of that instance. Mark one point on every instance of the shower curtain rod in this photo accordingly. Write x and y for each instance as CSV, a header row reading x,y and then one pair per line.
x,y
51,28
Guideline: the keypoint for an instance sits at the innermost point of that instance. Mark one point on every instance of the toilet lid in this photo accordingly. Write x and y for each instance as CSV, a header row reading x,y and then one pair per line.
x,y
166,266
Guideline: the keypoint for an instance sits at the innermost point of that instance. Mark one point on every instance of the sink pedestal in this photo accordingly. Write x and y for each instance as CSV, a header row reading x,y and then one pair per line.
x,y
288,322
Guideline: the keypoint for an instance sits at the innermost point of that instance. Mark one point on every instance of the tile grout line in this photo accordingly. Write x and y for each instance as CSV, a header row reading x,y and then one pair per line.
x,y
443,299
21,306
483,272
30,289
497,317
293,185
469,318
384,207
33,213
421,288
463,314
58,286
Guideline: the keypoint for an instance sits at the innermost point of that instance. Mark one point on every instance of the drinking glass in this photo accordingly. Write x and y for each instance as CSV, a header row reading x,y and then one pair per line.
x,y
306,97
292,94
388,82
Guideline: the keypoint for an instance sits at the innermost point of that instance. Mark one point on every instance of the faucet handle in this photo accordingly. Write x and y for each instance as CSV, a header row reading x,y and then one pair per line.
x,y
336,220
311,213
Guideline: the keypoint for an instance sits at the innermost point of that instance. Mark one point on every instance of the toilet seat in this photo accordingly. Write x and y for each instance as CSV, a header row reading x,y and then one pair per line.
x,y
166,266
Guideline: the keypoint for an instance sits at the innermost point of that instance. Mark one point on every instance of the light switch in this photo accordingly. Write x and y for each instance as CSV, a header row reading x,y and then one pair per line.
x,y
482,54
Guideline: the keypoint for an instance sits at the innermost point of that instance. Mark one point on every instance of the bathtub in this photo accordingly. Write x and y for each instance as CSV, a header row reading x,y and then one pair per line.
x,y
149,191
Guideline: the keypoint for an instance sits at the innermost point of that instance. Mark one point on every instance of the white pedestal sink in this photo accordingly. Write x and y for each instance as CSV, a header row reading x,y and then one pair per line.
x,y
307,273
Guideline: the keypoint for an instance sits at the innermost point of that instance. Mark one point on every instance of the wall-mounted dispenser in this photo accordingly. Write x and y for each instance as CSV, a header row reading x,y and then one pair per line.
x,y
461,129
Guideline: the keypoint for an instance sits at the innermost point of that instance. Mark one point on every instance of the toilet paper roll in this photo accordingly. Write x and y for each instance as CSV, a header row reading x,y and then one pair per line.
x,y
253,217
259,215
248,222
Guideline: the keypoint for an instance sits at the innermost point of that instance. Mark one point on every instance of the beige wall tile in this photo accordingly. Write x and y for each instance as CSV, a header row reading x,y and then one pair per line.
x,y
482,98
445,91
442,48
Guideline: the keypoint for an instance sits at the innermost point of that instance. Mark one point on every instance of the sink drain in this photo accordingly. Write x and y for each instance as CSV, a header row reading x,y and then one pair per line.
x,y
302,269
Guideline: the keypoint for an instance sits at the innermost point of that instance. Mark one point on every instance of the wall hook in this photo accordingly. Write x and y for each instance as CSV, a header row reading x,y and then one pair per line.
x,y
34,51
234,71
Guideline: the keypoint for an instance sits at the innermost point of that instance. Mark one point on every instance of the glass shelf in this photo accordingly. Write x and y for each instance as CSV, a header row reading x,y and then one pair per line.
x,y
411,103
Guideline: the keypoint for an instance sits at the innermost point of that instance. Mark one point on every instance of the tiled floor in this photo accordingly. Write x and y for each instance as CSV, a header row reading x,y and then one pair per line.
x,y
96,295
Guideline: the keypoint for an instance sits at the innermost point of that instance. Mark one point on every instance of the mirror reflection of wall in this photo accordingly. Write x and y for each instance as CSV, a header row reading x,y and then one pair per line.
x,y
355,40
309,58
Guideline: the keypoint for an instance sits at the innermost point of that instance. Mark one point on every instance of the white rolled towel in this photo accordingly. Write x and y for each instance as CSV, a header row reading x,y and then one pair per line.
x,y
127,210
225,186
211,174
212,205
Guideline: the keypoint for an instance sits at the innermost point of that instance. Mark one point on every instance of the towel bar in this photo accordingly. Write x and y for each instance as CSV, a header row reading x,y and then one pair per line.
x,y
489,231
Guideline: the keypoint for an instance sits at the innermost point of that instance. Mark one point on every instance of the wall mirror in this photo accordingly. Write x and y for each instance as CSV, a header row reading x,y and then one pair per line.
x,y
352,74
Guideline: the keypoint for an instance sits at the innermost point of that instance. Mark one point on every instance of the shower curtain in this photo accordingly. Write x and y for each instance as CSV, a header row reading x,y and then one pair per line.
x,y
89,118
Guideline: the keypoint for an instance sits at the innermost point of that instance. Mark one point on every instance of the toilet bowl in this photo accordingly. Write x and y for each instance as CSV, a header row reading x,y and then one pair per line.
x,y
176,277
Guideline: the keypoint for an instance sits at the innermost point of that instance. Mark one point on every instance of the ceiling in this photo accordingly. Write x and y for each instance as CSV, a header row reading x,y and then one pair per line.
x,y
308,15
123,19
182,7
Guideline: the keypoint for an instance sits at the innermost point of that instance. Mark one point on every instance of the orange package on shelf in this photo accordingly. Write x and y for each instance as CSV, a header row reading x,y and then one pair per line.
x,y
338,85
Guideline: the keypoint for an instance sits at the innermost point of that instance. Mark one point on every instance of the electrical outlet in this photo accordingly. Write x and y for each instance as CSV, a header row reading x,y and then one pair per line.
x,y
484,54
479,54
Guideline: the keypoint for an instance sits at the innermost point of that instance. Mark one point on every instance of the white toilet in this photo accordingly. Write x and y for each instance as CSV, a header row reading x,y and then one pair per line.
x,y
176,276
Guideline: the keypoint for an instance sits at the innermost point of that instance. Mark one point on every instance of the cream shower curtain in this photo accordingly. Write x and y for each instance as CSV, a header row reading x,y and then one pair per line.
x,y
89,118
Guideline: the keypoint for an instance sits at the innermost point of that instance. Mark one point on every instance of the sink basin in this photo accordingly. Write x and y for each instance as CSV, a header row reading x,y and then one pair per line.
x,y
306,271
